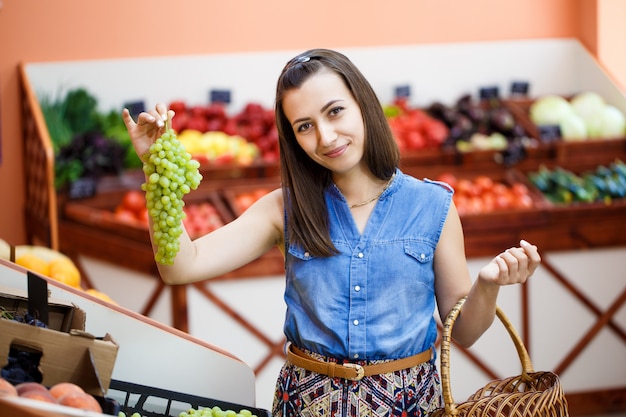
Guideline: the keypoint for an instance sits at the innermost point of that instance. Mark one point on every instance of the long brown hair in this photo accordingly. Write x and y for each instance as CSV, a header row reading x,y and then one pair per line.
x,y
303,179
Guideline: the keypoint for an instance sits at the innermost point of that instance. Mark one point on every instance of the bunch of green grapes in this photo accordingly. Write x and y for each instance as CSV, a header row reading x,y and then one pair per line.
x,y
215,412
170,174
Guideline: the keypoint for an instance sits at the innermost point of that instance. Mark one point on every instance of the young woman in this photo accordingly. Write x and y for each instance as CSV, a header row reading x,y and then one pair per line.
x,y
370,252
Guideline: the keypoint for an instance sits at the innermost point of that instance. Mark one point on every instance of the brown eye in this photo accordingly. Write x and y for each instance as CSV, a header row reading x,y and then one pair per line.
x,y
335,110
303,127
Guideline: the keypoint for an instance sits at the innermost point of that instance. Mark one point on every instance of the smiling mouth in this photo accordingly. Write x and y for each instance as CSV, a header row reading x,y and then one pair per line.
x,y
336,152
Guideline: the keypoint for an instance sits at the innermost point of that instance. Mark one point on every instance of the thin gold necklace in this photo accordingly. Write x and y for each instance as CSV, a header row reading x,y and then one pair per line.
x,y
376,197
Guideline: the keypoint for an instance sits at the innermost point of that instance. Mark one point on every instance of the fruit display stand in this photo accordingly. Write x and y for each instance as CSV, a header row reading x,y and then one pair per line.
x,y
151,354
559,66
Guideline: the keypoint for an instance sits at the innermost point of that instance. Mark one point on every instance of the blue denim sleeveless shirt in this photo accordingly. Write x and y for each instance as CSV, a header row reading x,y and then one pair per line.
x,y
376,298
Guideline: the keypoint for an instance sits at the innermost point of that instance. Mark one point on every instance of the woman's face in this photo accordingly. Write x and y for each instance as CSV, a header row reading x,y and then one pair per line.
x,y
327,121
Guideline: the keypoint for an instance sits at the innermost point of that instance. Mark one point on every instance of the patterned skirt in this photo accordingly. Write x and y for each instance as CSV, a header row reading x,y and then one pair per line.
x,y
411,392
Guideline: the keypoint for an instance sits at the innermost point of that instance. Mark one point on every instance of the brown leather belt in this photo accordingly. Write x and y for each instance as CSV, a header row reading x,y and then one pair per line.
x,y
353,371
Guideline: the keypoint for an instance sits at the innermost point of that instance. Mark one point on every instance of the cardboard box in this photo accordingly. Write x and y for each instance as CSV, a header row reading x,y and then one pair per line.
x,y
62,315
74,356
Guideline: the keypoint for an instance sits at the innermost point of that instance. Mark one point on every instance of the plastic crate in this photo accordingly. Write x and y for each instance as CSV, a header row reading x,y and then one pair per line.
x,y
157,402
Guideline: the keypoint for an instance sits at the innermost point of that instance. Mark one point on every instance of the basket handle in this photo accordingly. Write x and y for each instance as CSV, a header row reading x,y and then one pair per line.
x,y
446,338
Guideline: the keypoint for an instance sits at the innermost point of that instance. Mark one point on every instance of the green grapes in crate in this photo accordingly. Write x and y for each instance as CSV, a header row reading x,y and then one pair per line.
x,y
215,412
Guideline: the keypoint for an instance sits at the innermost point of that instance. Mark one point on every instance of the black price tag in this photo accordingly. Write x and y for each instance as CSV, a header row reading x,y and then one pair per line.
x,y
403,91
513,154
135,107
82,188
219,96
37,297
520,88
549,133
488,93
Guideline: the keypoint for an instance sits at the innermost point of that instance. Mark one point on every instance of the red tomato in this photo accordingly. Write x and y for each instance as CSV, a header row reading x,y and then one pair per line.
x,y
134,201
414,140
503,200
484,183
499,188
244,200
464,186
435,131
475,205
448,178
520,189
523,201
489,201
125,216
144,216
461,202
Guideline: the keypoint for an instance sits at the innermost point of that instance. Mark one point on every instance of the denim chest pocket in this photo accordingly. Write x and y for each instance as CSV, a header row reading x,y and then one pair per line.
x,y
420,251
299,253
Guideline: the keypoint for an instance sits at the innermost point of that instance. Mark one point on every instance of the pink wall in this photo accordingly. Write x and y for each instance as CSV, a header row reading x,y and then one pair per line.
x,y
612,38
35,31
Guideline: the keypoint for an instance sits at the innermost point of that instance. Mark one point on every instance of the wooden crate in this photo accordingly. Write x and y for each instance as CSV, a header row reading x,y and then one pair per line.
x,y
252,190
489,233
40,210
271,262
571,154
99,212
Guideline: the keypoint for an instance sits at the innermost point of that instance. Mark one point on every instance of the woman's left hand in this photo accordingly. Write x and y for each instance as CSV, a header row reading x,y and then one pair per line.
x,y
513,266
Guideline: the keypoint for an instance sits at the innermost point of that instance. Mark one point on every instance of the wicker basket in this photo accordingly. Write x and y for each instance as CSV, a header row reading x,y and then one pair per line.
x,y
529,394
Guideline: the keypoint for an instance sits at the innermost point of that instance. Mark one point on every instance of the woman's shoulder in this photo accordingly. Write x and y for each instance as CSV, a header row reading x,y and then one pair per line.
x,y
427,184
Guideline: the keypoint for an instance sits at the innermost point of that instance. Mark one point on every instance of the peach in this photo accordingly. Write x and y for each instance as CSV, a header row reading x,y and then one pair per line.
x,y
29,386
35,394
7,389
81,401
63,388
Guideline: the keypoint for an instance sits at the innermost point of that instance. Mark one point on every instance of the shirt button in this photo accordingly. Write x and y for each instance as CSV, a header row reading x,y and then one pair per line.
x,y
423,256
306,254
357,288
355,356
355,322
360,255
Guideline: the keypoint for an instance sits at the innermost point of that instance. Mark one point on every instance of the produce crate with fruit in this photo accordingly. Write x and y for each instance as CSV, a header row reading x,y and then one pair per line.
x,y
60,399
44,343
136,400
239,197
496,207
602,186
124,212
583,129
586,205
482,129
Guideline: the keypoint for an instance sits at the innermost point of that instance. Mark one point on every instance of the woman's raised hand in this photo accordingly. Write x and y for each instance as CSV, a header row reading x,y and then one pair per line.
x,y
149,127
513,266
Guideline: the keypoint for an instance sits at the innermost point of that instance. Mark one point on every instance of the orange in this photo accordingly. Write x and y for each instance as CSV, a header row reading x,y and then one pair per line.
x,y
34,263
64,270
100,295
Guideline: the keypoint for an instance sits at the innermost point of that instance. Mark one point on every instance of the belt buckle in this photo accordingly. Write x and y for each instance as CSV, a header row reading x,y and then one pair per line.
x,y
360,372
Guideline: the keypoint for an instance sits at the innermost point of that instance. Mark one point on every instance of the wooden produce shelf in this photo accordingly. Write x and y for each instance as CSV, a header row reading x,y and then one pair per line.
x,y
583,225
90,228
582,155
272,262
